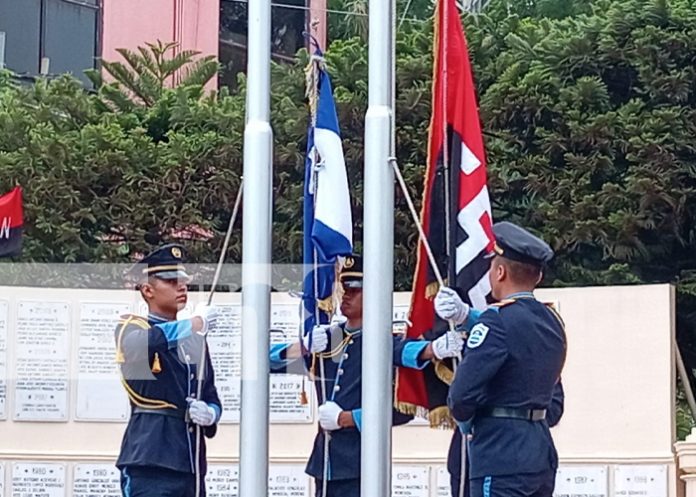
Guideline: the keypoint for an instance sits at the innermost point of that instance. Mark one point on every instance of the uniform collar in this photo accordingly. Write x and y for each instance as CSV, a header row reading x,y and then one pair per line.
x,y
520,295
352,333
156,318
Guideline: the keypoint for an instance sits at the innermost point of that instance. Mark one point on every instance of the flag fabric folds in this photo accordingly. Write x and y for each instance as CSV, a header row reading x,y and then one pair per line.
x,y
328,224
455,174
11,223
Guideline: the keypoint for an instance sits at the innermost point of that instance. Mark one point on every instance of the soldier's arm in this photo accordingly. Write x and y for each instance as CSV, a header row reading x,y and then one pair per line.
x,y
283,355
486,351
210,396
555,411
411,353
425,352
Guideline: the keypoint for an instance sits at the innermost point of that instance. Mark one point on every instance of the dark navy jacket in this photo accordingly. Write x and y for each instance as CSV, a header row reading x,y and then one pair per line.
x,y
554,413
513,358
159,368
343,372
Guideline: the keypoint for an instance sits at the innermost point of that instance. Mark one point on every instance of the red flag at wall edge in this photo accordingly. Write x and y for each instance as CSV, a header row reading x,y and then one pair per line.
x,y
462,180
11,223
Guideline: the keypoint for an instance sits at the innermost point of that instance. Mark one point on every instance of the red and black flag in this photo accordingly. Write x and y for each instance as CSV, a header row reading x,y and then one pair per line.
x,y
11,223
456,212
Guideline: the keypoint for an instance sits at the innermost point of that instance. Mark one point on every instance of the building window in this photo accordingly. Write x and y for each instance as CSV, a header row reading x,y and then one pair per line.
x,y
287,26
50,36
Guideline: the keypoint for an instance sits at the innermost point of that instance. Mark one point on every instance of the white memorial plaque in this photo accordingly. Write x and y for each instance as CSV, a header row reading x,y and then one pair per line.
x,y
286,389
38,479
41,369
286,399
225,352
96,480
100,395
581,481
410,481
443,482
285,318
640,480
3,359
222,480
287,481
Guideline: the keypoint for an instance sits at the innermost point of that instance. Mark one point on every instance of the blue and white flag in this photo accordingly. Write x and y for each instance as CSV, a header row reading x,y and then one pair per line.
x,y
328,224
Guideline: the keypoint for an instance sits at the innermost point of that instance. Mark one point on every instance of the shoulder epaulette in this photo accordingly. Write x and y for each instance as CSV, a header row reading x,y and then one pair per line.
x,y
123,323
133,319
552,308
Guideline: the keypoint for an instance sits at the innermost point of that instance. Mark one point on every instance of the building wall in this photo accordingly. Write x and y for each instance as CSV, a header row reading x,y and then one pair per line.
x,y
616,437
132,23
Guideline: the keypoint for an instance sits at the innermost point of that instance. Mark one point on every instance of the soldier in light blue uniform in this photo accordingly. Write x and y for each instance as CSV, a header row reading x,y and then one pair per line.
x,y
158,357
503,389
340,349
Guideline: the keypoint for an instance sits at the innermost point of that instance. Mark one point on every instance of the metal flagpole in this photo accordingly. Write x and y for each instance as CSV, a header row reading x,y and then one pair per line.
x,y
204,344
378,259
256,256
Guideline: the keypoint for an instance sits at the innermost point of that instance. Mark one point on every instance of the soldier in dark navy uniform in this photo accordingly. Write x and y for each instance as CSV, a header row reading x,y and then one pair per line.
x,y
454,455
340,349
502,395
158,358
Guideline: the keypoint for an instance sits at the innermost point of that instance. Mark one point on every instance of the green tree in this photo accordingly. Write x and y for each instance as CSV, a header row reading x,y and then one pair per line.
x,y
149,71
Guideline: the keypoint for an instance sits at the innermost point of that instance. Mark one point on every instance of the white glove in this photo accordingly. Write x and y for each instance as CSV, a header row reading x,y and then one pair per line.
x,y
201,413
448,345
450,307
209,314
328,416
317,340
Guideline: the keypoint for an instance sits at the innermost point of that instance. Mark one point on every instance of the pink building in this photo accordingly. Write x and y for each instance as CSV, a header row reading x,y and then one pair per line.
x,y
194,24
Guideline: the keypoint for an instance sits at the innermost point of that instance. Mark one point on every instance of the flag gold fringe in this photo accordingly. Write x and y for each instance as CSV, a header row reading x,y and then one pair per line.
x,y
440,417
431,290
443,372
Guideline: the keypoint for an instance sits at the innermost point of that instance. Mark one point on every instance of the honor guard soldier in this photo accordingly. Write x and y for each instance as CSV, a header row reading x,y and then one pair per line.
x,y
339,347
454,455
158,356
501,395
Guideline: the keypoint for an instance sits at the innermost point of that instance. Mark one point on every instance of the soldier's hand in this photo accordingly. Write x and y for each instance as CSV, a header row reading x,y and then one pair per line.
x,y
201,413
317,340
209,314
329,413
450,307
448,345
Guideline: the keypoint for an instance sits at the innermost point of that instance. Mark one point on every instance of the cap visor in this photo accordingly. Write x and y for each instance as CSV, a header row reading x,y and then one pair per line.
x,y
173,275
352,283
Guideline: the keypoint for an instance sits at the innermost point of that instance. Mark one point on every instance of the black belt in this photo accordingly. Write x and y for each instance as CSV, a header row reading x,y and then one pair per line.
x,y
169,412
512,413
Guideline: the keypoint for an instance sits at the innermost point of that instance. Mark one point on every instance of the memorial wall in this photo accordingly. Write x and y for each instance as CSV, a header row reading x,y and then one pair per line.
x,y
63,411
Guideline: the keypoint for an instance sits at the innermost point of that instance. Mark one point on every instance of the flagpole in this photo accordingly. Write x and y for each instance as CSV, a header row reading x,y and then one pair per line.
x,y
377,353
256,257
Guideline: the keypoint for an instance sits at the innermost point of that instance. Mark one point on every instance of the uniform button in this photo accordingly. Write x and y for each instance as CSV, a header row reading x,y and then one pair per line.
x,y
192,376
345,356
191,429
337,388
351,342
340,372
188,358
